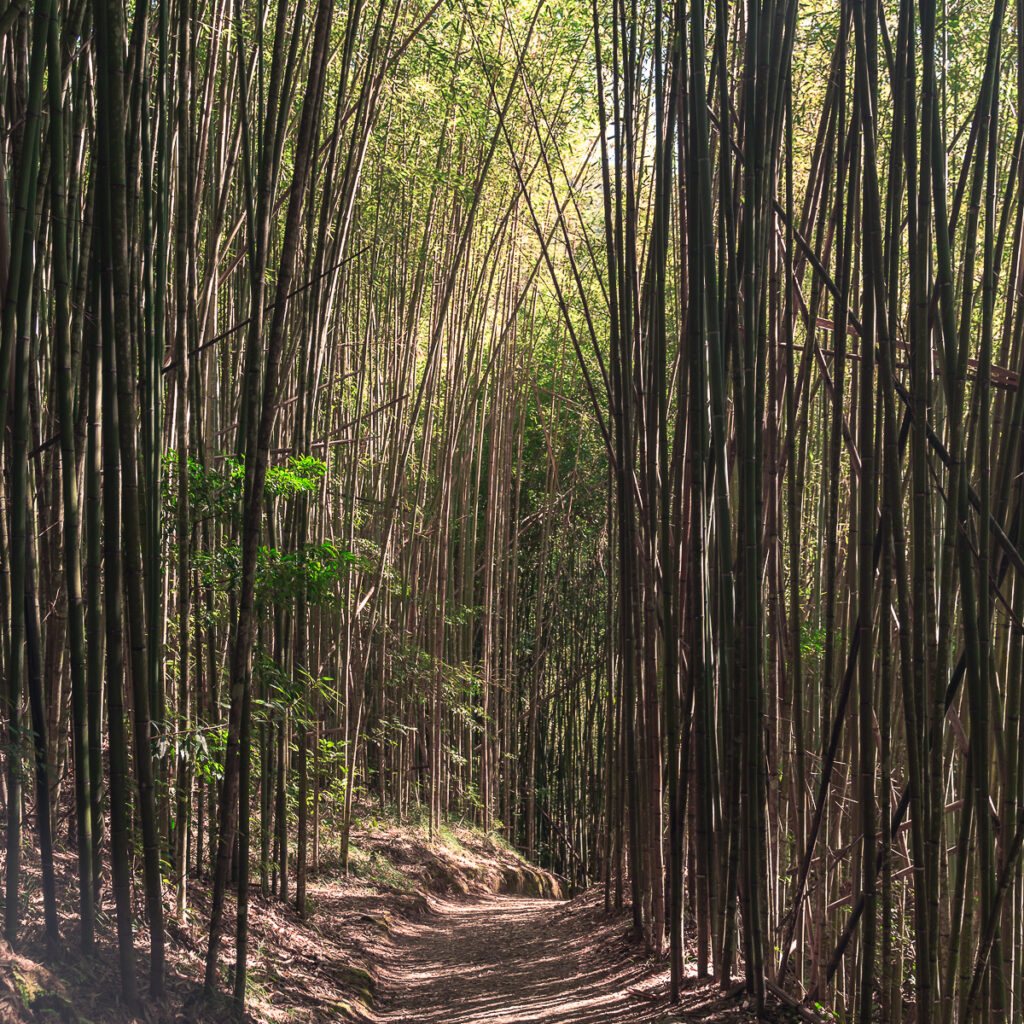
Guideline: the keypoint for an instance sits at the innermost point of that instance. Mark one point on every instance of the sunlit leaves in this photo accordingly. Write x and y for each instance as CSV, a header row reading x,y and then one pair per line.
x,y
216,492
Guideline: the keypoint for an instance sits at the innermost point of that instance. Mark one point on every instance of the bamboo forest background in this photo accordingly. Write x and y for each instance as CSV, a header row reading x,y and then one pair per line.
x,y
600,422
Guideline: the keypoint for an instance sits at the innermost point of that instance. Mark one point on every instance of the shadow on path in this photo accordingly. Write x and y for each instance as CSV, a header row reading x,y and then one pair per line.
x,y
508,959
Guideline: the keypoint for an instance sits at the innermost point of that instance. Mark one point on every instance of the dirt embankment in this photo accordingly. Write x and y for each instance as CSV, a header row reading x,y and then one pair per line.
x,y
455,862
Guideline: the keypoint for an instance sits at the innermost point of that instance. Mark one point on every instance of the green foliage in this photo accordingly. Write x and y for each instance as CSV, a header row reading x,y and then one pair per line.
x,y
289,693
812,641
216,493
313,571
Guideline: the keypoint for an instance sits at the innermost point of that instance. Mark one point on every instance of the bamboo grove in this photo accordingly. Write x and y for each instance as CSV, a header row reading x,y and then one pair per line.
x,y
600,421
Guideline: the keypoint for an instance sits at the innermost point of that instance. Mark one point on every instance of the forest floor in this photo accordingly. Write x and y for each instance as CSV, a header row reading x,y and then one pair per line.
x,y
511,960
450,929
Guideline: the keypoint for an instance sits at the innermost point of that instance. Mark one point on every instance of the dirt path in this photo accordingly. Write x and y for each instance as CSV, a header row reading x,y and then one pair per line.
x,y
507,959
